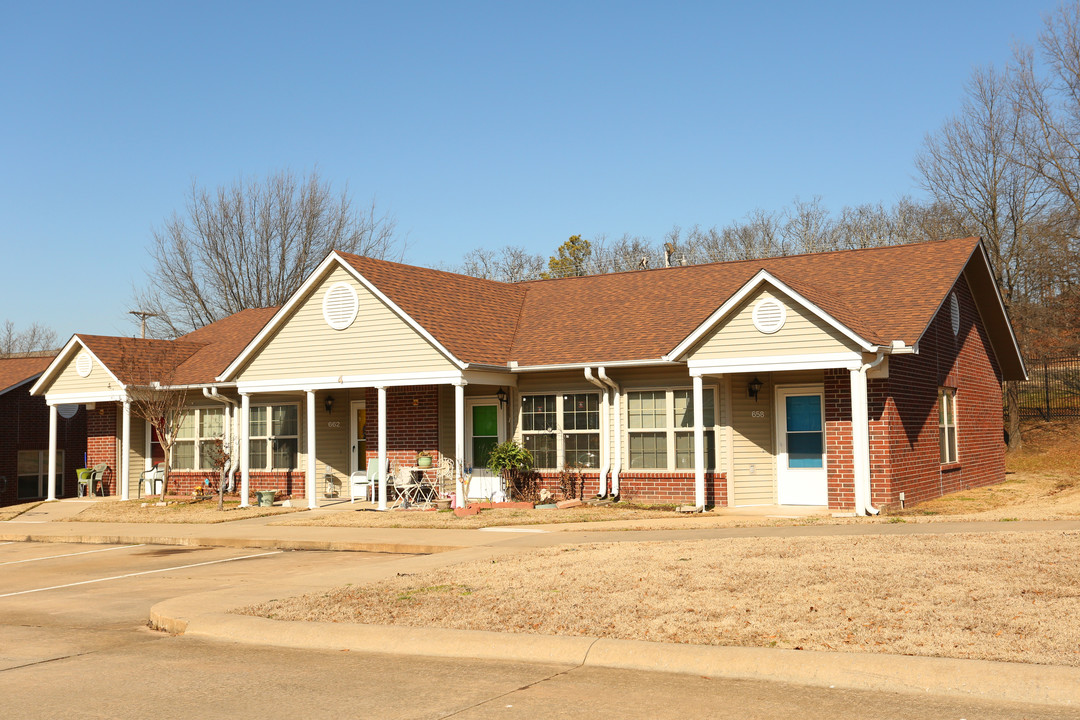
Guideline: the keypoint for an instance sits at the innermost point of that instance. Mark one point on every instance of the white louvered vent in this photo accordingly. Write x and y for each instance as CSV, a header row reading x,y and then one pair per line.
x,y
83,364
769,315
954,312
340,306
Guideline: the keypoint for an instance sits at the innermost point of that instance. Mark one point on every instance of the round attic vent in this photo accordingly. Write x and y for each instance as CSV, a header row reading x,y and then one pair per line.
x,y
340,306
83,364
769,315
954,313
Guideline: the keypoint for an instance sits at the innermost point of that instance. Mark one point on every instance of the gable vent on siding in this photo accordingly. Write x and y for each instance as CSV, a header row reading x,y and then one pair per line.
x,y
769,315
340,306
83,364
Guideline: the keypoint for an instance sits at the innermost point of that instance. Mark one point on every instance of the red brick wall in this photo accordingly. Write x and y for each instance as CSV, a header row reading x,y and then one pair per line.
x,y
102,441
288,483
964,362
24,425
412,425
838,445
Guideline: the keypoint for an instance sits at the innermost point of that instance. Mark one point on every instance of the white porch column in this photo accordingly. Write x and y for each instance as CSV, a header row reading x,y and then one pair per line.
x,y
124,476
860,441
383,463
52,451
245,449
309,475
699,444
459,442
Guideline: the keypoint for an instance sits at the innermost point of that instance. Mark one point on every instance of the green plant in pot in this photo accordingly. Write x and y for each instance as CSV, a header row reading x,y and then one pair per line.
x,y
423,459
511,462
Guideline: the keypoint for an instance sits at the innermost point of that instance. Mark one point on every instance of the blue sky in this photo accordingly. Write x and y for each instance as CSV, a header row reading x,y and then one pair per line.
x,y
475,124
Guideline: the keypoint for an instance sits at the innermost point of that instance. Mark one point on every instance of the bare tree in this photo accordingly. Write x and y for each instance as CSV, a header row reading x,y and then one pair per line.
x,y
507,264
36,338
251,244
148,369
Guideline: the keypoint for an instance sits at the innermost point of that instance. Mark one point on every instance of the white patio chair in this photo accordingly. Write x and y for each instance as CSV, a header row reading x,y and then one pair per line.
x,y
359,486
405,486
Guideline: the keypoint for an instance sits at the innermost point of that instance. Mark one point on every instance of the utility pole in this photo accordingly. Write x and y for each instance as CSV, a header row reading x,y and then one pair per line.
x,y
142,315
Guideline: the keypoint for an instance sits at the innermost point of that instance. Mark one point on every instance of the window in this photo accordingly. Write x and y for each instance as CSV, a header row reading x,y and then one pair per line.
x,y
660,429
195,447
947,424
273,437
562,430
33,469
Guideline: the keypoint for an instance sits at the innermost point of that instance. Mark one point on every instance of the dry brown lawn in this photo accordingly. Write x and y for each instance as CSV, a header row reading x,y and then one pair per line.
x,y
203,512
1002,596
10,511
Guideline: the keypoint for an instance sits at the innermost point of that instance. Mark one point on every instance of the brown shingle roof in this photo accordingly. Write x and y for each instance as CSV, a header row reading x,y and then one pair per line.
x,y
16,371
474,319
224,340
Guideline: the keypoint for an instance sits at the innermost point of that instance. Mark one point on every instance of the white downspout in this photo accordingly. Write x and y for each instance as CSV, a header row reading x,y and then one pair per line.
x,y
229,403
616,463
605,446
860,437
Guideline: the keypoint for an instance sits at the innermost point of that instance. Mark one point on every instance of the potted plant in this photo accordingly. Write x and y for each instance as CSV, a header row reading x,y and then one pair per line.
x,y
510,461
423,459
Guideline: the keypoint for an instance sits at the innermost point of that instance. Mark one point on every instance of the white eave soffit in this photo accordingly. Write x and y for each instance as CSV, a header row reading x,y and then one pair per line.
x,y
317,276
762,277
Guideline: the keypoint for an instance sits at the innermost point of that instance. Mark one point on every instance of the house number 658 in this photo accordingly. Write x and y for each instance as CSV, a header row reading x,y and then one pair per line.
x,y
757,413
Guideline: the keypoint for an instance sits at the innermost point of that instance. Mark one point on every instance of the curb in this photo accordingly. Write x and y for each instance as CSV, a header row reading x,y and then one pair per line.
x,y
262,543
988,680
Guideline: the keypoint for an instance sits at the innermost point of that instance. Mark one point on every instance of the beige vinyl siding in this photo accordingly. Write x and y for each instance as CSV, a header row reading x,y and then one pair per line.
x,y
333,443
68,379
377,342
753,461
137,454
803,334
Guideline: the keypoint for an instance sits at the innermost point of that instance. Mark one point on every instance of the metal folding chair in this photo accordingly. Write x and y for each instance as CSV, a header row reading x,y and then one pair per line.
x,y
405,486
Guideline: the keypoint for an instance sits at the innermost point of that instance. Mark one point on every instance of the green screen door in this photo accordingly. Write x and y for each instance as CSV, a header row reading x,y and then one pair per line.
x,y
485,433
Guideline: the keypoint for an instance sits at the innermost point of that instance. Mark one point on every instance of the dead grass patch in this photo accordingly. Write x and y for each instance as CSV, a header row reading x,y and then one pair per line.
x,y
495,517
203,512
12,511
1002,596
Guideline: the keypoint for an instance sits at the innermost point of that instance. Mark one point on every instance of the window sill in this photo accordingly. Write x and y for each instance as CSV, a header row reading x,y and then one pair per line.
x,y
951,467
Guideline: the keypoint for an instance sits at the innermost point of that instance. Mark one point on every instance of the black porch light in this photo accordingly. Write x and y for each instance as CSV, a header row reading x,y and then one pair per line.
x,y
328,403
753,388
502,396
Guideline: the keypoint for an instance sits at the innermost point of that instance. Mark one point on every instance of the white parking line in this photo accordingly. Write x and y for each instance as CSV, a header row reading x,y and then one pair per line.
x,y
145,572
84,552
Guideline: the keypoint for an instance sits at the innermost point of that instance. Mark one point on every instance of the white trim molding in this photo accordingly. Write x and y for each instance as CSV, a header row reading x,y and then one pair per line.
x,y
762,277
83,398
62,357
774,363
343,381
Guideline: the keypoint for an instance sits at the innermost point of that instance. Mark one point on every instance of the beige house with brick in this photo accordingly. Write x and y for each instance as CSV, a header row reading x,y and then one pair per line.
x,y
850,379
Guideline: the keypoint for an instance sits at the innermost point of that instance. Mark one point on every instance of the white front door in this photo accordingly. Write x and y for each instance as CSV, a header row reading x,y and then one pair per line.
x,y
357,441
801,477
484,429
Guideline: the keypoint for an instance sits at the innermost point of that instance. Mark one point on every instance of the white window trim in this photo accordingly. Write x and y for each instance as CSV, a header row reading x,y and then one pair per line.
x,y
954,457
269,437
197,439
671,429
560,432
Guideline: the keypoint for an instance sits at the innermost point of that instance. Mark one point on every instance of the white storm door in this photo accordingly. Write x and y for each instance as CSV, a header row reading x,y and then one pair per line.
x,y
484,429
357,441
801,477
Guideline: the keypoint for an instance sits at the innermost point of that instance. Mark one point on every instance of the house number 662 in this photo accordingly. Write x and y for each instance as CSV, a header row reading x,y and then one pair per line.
x,y
333,424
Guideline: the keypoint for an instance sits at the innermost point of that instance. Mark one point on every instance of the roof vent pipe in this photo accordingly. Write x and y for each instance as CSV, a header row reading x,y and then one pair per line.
x,y
616,462
605,443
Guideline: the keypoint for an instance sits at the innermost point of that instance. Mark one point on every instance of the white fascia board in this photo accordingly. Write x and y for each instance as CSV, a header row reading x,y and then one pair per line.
x,y
475,377
21,383
346,381
82,398
64,356
764,276
599,363
313,279
775,363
